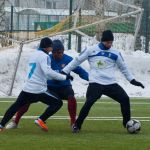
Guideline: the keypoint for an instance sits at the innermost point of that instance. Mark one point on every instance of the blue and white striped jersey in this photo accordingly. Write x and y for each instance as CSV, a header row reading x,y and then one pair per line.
x,y
103,64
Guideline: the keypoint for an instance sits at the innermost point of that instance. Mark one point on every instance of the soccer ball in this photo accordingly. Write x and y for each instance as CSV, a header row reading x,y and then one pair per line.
x,y
133,126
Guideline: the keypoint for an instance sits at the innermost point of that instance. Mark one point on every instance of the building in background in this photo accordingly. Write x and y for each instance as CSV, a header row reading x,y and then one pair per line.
x,y
33,15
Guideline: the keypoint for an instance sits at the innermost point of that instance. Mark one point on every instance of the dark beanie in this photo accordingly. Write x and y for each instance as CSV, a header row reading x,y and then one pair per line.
x,y
57,45
46,42
107,35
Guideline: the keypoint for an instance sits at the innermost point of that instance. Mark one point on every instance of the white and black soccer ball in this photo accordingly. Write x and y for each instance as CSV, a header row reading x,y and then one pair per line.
x,y
133,126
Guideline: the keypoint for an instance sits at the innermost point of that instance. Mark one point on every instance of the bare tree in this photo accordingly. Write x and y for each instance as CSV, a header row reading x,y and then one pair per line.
x,y
4,42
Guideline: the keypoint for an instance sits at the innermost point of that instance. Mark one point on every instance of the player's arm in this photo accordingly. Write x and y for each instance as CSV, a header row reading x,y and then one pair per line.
x,y
76,61
125,71
45,64
82,73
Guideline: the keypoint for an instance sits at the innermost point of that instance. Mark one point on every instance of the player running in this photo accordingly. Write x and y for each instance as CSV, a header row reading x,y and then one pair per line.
x,y
63,89
35,88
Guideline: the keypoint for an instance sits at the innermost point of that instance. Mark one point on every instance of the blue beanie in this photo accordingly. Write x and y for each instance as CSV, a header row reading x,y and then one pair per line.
x,y
46,42
107,35
57,45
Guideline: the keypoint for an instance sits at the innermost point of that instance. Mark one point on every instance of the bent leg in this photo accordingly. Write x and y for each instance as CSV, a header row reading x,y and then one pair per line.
x,y
53,102
94,92
117,93
14,108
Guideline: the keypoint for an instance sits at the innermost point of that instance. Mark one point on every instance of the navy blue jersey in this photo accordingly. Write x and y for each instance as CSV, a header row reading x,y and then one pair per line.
x,y
58,65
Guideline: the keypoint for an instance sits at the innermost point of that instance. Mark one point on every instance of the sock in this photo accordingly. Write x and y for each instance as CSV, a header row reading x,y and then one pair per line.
x,y
72,108
20,113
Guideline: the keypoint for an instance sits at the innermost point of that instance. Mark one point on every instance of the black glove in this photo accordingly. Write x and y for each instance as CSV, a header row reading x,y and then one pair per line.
x,y
62,72
68,76
136,83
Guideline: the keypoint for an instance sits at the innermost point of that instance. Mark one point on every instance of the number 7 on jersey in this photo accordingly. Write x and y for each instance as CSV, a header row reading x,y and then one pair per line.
x,y
33,66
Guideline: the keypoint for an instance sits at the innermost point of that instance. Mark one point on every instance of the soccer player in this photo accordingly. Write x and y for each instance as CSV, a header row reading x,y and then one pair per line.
x,y
103,61
63,89
35,88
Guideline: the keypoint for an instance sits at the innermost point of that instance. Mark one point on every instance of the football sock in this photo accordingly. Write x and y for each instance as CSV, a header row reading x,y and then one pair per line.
x,y
20,113
72,108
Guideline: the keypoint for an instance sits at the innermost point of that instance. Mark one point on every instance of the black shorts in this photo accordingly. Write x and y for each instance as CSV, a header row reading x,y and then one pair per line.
x,y
114,91
62,92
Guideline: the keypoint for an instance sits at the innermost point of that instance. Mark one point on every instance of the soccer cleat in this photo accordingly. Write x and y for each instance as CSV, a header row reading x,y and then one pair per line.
x,y
41,124
75,128
12,125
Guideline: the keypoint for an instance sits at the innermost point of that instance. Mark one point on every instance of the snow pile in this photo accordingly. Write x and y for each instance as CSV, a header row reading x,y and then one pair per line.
x,y
138,63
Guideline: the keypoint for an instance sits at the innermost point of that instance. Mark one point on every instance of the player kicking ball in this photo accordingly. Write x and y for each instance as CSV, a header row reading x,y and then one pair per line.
x,y
103,61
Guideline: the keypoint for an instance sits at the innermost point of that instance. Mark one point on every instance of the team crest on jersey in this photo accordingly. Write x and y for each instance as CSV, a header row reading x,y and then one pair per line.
x,y
101,64
63,65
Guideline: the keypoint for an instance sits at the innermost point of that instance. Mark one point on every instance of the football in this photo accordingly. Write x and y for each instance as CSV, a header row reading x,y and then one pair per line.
x,y
133,126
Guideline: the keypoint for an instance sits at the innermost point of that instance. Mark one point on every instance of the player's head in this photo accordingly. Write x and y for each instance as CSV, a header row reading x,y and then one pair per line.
x,y
46,44
58,49
107,38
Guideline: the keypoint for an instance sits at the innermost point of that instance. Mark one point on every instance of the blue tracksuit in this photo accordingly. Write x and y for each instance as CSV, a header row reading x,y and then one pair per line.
x,y
58,65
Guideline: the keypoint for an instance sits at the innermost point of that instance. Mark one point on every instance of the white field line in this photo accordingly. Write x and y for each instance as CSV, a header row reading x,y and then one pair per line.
x,y
135,103
145,119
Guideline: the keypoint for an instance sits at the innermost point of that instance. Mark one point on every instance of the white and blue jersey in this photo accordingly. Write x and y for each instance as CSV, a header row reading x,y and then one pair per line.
x,y
58,65
39,72
103,64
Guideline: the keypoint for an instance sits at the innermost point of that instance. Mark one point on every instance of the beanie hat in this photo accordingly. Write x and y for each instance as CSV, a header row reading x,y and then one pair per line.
x,y
107,35
57,45
46,42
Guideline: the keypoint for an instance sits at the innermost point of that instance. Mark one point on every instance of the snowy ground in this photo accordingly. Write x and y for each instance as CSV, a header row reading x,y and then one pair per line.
x,y
138,62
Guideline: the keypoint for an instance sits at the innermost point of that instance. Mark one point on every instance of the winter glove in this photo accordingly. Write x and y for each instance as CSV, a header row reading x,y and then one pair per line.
x,y
68,76
136,83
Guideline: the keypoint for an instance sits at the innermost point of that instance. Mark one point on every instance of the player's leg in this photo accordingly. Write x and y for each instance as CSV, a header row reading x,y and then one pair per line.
x,y
21,101
117,93
67,93
54,104
94,92
19,114
72,108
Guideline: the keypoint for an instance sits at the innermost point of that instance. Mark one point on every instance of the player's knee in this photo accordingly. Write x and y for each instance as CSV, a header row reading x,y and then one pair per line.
x,y
59,103
89,103
71,98
125,100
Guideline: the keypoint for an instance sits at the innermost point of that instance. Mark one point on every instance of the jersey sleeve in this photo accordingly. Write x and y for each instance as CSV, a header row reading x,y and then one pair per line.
x,y
123,68
81,72
45,64
76,61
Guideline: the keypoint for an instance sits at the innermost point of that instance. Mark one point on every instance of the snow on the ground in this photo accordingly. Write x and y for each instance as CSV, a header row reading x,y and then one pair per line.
x,y
138,63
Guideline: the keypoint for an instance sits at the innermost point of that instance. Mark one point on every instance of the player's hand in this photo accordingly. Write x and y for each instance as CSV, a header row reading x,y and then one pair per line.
x,y
68,76
136,83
